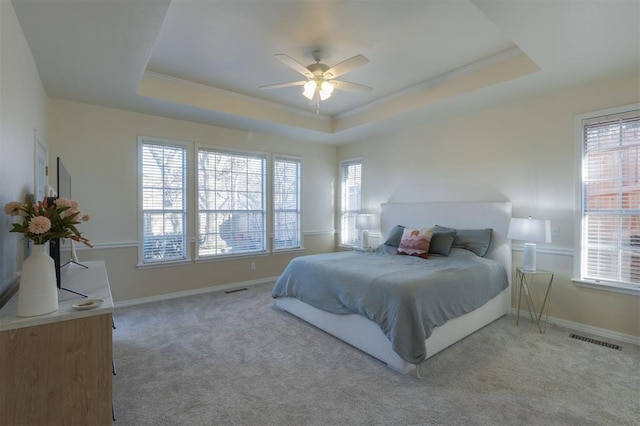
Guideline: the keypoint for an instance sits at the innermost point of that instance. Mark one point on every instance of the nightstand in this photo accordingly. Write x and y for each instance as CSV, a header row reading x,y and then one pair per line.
x,y
525,281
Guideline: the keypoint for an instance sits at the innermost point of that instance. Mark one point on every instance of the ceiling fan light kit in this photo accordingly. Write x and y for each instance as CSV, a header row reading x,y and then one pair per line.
x,y
320,84
326,88
322,88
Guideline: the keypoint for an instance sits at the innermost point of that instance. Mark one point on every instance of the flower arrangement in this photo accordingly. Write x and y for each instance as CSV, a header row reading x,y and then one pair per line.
x,y
43,221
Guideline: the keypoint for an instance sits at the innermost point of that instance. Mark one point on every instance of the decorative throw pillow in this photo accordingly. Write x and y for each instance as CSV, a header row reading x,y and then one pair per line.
x,y
415,242
395,236
475,240
441,242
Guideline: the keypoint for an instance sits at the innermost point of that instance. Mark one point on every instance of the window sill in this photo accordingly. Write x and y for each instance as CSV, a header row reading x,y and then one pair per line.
x,y
230,256
163,264
288,251
605,286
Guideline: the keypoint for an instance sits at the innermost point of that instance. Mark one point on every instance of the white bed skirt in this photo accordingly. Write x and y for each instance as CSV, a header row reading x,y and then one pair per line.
x,y
367,336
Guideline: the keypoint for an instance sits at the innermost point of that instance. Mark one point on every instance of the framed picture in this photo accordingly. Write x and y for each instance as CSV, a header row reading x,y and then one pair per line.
x,y
40,168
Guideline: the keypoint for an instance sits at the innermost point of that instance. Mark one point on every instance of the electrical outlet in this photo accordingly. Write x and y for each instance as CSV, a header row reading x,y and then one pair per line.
x,y
253,265
555,233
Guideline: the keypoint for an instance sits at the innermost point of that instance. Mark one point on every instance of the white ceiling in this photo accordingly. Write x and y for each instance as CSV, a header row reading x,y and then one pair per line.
x,y
205,61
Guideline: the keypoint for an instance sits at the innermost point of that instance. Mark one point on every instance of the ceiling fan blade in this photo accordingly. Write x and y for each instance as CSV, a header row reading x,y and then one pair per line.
x,y
351,87
281,85
293,64
345,66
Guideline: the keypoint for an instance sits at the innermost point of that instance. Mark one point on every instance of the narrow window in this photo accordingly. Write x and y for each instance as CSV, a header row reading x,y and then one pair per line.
x,y
163,200
351,205
286,203
610,203
231,202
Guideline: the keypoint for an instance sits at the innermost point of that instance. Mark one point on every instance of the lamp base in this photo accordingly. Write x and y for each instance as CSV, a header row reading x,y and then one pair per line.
x,y
529,258
364,239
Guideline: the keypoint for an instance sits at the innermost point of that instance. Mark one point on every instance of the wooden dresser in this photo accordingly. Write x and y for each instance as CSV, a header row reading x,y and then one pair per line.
x,y
56,369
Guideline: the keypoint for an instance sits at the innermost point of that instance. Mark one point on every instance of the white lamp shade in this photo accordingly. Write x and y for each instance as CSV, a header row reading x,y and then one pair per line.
x,y
364,221
530,230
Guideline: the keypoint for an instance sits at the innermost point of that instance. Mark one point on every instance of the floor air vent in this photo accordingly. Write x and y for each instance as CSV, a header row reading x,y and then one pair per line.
x,y
595,342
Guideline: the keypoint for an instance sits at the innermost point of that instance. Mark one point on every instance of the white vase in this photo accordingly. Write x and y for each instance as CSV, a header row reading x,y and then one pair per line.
x,y
38,293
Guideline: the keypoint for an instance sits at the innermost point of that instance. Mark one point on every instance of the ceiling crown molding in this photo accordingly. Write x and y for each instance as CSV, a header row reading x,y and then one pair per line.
x,y
492,70
161,86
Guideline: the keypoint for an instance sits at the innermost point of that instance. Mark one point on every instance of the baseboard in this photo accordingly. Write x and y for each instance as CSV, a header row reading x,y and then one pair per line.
x,y
601,332
215,288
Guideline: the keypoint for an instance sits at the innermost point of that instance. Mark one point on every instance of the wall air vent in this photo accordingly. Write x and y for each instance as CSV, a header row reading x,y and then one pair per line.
x,y
595,342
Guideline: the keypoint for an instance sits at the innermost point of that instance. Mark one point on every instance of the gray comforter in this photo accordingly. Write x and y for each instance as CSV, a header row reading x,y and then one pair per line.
x,y
406,296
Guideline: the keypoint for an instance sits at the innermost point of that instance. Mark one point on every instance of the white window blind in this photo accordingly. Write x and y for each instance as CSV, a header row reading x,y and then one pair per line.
x,y
286,203
610,239
163,188
231,202
351,205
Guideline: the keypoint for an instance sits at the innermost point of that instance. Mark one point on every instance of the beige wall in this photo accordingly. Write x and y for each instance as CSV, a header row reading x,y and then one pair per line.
x,y
523,152
23,111
99,147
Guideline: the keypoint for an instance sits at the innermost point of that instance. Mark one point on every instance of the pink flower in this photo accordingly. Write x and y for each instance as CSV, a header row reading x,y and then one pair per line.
x,y
64,202
14,208
39,225
73,206
43,221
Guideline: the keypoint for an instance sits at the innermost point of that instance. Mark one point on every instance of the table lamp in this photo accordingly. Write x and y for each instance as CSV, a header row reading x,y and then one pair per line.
x,y
531,231
364,222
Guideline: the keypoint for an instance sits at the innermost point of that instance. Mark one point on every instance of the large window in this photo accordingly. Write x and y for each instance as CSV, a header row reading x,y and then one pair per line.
x,y
351,203
163,200
609,239
286,203
215,200
231,202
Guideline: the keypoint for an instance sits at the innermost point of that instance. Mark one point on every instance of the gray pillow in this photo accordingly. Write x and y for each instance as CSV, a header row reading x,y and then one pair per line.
x,y
395,236
475,240
441,242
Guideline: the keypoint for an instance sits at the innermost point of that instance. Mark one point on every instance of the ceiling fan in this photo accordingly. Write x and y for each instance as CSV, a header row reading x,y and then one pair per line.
x,y
320,81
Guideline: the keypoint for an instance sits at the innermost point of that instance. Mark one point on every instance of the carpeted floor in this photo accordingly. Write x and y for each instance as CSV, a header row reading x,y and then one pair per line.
x,y
233,359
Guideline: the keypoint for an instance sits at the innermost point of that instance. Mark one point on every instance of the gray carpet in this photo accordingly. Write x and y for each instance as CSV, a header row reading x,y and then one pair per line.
x,y
234,359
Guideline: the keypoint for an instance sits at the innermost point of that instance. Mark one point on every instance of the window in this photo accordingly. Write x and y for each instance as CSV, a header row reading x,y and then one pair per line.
x,y
286,203
609,238
216,201
231,202
351,205
163,200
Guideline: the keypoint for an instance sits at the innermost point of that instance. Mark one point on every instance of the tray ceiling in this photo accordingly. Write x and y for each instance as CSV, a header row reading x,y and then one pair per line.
x,y
205,61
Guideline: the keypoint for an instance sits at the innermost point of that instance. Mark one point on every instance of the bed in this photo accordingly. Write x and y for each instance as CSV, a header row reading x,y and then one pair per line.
x,y
362,320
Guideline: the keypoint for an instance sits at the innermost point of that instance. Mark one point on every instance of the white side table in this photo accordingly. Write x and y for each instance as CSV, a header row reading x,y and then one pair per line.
x,y
525,280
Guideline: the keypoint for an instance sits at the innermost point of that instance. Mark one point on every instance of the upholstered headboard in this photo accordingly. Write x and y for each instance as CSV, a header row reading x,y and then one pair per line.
x,y
460,215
